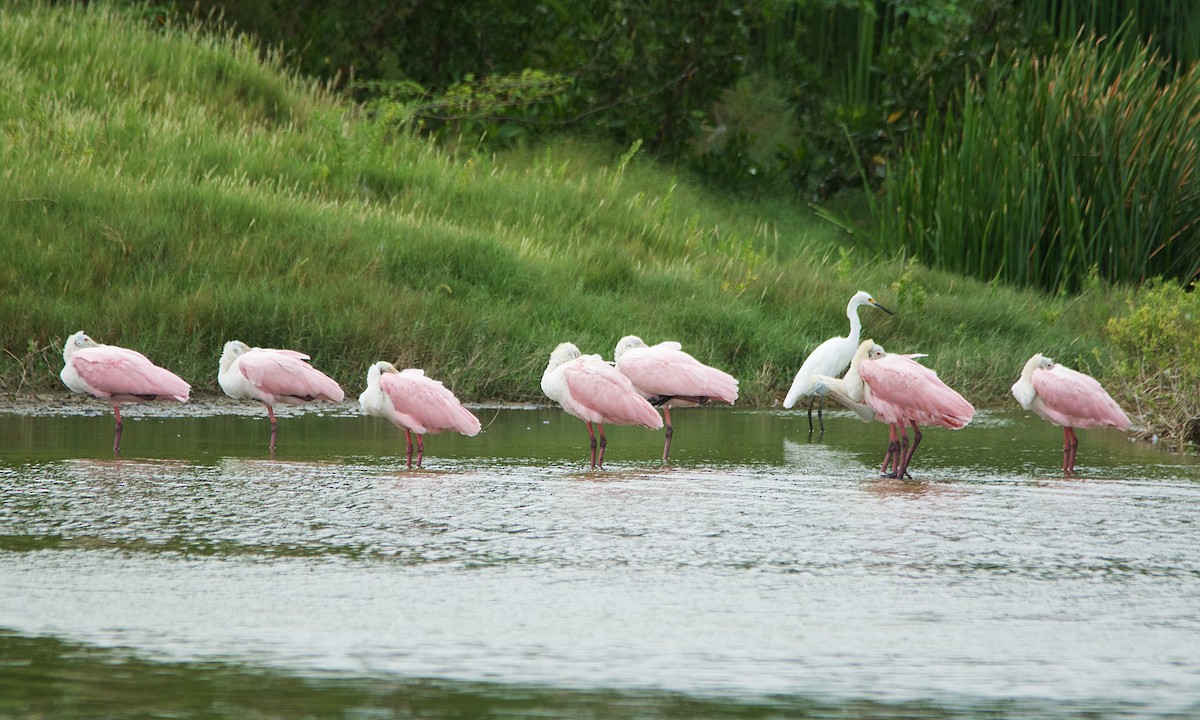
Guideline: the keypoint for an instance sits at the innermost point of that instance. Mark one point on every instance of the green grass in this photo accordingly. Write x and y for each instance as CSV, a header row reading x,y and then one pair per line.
x,y
169,190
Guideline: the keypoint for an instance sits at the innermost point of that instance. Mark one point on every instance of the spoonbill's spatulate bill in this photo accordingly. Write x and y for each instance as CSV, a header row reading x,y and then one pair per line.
x,y
1068,398
117,375
596,393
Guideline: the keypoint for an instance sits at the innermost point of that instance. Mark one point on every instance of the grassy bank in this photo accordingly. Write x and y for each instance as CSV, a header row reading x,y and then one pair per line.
x,y
169,191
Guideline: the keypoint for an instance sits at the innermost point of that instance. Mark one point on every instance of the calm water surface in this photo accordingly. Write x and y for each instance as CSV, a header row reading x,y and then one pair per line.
x,y
765,574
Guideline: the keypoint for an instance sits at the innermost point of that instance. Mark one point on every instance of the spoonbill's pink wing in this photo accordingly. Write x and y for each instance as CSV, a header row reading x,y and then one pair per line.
x,y
1076,400
665,369
116,372
599,393
425,405
285,373
900,389
290,353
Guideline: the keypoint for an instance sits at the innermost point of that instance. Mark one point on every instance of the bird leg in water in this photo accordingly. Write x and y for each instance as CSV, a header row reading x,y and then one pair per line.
x,y
117,433
1070,447
420,449
408,452
274,426
901,453
903,471
893,449
603,444
819,401
592,435
670,433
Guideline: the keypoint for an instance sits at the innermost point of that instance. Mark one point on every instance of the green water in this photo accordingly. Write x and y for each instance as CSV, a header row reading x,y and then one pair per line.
x,y
764,574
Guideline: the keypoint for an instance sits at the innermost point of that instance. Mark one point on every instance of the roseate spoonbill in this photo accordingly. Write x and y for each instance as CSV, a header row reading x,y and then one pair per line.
x,y
416,404
1068,398
595,392
273,377
901,390
898,390
831,358
848,391
668,377
118,375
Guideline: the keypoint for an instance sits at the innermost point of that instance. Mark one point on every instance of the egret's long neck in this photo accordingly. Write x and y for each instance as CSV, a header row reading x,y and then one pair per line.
x,y
855,323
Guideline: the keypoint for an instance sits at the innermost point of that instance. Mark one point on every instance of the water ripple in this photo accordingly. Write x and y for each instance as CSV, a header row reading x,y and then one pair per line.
x,y
797,573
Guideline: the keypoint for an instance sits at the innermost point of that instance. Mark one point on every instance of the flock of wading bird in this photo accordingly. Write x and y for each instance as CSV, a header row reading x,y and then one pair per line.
x,y
877,385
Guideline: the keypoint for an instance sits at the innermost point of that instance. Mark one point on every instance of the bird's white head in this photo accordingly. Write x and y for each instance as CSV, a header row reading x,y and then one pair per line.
x,y
862,297
378,369
627,343
864,347
78,341
1037,362
875,352
233,350
563,354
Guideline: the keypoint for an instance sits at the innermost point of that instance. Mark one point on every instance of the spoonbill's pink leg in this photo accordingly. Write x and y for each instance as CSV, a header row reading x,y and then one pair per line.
x,y
1070,448
892,449
592,435
274,425
117,433
903,471
408,450
420,449
670,432
603,444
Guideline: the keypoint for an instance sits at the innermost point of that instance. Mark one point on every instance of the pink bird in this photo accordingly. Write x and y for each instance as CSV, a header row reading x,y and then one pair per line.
x,y
273,377
668,377
117,375
902,391
1068,398
595,392
416,404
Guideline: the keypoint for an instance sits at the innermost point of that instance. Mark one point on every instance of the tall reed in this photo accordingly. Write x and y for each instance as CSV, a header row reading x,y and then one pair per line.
x,y
1171,26
1056,168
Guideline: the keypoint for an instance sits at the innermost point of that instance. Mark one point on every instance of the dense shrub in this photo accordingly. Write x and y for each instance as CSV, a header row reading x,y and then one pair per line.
x,y
1158,339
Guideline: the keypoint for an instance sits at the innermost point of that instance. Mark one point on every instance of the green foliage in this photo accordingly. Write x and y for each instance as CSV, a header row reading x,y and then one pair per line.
x,y
509,70
1158,339
180,191
1171,27
1055,168
781,96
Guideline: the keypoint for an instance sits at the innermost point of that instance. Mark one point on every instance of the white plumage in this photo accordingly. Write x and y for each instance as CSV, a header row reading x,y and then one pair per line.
x,y
831,358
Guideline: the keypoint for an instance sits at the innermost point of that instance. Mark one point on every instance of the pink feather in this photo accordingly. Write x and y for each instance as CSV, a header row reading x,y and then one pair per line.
x,y
598,393
283,374
424,405
900,390
665,369
125,375
1073,399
